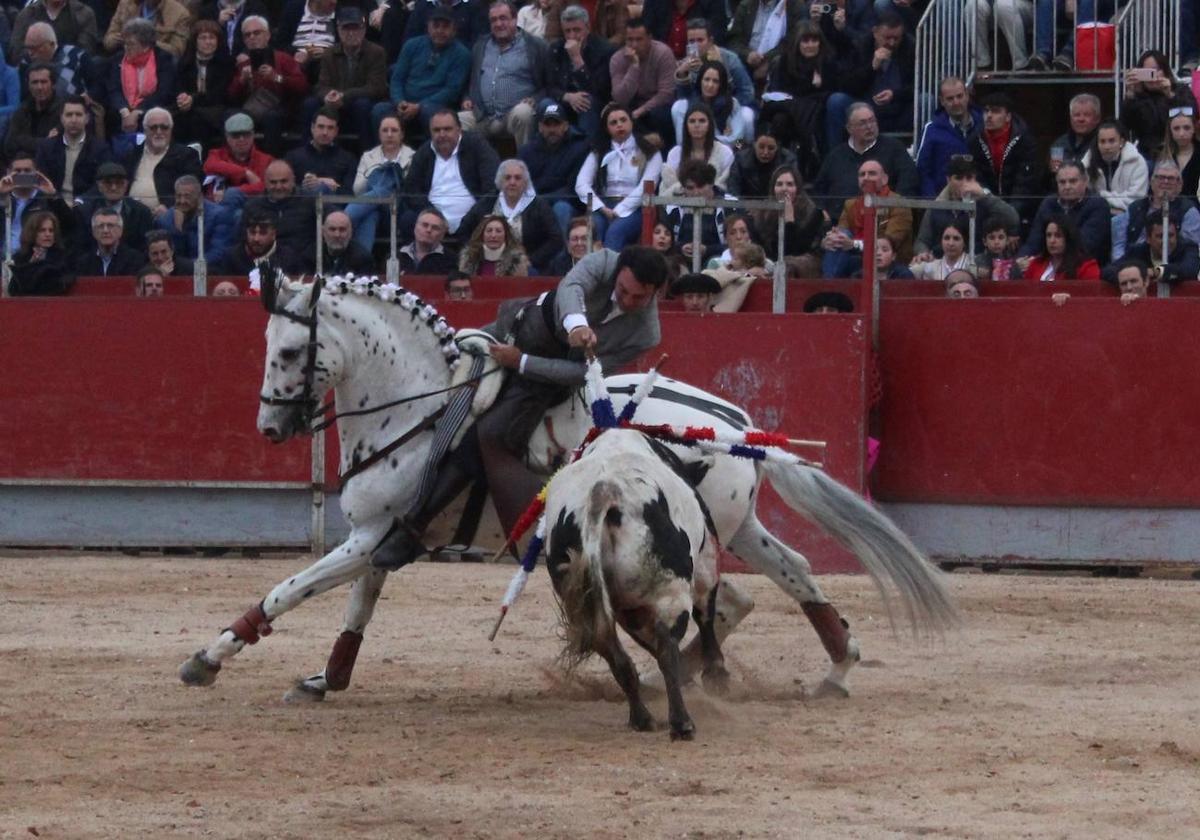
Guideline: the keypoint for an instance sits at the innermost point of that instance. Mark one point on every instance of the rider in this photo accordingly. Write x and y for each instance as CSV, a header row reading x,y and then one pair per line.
x,y
606,304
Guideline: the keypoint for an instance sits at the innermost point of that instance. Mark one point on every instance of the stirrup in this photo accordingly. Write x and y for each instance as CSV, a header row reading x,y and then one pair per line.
x,y
399,547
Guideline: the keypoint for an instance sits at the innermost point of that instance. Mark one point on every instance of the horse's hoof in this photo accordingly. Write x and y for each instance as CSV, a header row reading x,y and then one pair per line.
x,y
685,731
198,671
828,688
302,693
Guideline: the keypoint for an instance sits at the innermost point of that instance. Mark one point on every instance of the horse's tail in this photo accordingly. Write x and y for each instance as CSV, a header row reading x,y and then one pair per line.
x,y
887,553
586,607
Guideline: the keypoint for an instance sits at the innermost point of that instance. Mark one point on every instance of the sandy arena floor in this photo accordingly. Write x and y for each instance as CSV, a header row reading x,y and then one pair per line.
x,y
1067,707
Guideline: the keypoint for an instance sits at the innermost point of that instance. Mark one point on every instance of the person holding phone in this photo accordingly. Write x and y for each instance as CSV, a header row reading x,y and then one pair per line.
x,y
1151,93
265,82
30,192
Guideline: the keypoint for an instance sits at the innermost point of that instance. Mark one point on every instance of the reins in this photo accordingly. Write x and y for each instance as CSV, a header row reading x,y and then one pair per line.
x,y
329,421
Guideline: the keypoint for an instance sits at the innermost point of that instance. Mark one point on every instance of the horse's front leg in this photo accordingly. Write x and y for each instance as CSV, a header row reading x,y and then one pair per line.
x,y
360,607
345,563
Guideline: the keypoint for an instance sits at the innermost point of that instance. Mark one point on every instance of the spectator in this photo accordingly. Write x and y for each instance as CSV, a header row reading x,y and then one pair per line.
x,y
761,29
160,250
996,261
226,289
1147,103
748,264
510,74
239,164
426,254
260,249
1012,18
961,285
291,213
662,239
878,67
458,286
946,134
70,161
735,122
702,48
307,31
266,82
1132,279
149,283
954,255
470,18
29,191
181,220
1182,257
323,165
73,67
802,220
886,266
111,257
111,192
1129,228
668,20
451,171
1181,148
697,181
229,15
352,76
380,174
529,217
159,162
828,303
141,77
73,22
798,85
577,247
1087,211
36,117
695,292
1115,169
610,182
531,19
205,72
580,70
843,245
1048,13
554,157
1074,144
170,20
643,81
10,95
698,142
340,254
430,73
1006,155
738,231
40,266
493,251
961,185
838,178
750,175
1061,255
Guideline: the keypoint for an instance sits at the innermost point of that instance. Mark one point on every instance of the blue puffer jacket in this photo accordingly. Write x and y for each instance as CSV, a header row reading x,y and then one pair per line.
x,y
939,140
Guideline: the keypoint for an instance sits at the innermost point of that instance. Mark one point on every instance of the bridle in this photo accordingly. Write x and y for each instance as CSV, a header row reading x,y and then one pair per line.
x,y
307,401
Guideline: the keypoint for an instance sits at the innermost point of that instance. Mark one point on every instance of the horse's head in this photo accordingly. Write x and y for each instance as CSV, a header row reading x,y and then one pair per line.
x,y
299,367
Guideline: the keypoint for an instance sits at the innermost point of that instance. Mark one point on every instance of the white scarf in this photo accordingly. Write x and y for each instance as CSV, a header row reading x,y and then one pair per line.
x,y
624,152
510,213
492,254
773,32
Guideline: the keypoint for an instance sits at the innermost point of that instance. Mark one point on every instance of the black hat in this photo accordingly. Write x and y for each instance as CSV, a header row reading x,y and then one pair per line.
x,y
440,12
111,169
695,284
836,300
350,16
551,111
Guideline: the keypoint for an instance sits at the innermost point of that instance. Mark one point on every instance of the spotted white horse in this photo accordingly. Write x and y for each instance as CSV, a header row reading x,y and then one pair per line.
x,y
390,360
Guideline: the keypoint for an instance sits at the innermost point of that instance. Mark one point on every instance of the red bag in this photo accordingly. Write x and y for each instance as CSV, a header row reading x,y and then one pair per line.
x,y
1095,46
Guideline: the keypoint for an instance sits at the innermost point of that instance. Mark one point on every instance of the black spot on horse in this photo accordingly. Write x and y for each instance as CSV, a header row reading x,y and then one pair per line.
x,y
692,472
669,543
309,593
733,495
386,421
564,536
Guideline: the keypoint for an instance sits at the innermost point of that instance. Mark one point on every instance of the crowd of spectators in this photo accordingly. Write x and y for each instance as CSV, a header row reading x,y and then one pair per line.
x,y
148,134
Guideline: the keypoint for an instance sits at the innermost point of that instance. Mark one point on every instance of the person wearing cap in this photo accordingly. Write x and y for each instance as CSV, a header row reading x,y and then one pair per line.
x,y
352,76
71,160
1006,155
239,163
171,21
259,248
695,292
510,74
429,74
265,82
961,185
580,70
111,192
828,303
553,157
470,18
946,134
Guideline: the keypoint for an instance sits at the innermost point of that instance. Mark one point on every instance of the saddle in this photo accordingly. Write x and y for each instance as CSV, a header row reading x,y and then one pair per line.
x,y
473,342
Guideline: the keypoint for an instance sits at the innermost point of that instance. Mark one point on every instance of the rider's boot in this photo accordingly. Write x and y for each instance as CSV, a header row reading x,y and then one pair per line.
x,y
402,543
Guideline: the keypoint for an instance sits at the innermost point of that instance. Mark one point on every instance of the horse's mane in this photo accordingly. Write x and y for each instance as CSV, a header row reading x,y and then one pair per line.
x,y
397,295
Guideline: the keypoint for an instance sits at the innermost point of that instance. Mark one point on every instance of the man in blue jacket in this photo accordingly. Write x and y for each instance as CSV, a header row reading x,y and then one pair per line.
x,y
182,221
554,156
1078,203
430,74
946,134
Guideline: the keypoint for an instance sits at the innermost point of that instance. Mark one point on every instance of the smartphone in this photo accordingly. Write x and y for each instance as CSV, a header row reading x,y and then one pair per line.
x,y
25,179
693,50
825,8
1143,74
260,57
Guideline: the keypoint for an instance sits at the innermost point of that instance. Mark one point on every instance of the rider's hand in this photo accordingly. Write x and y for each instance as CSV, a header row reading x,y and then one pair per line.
x,y
508,355
582,337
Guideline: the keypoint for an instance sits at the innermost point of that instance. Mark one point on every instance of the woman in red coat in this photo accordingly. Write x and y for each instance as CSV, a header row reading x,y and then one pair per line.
x,y
1062,256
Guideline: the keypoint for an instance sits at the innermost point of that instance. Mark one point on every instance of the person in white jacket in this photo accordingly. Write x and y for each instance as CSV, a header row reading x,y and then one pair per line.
x,y
612,175
1115,168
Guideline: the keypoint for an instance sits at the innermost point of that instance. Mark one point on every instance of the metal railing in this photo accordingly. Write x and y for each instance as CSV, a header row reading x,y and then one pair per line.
x,y
945,47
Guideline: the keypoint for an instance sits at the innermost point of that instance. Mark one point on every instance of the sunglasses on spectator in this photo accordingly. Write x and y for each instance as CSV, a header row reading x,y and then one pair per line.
x,y
158,127
965,158
1185,111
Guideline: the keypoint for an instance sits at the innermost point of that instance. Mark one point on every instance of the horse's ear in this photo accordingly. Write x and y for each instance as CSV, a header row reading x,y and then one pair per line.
x,y
269,289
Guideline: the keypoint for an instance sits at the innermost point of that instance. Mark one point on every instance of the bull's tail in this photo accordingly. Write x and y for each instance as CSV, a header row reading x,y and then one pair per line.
x,y
586,608
884,550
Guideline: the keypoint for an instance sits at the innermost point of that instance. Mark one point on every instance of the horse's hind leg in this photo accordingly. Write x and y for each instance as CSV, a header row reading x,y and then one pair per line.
x,y
360,607
791,572
344,563
716,677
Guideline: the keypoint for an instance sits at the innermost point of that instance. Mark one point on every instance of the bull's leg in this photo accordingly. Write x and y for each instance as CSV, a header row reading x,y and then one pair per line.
x,y
360,607
625,673
731,606
666,644
344,563
792,573
716,678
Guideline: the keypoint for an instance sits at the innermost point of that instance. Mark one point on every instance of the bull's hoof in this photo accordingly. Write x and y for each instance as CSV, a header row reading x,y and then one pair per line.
x,y
685,731
828,688
641,720
198,671
716,682
302,693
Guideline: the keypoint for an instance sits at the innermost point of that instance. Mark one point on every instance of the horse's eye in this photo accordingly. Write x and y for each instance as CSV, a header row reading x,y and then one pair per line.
x,y
289,355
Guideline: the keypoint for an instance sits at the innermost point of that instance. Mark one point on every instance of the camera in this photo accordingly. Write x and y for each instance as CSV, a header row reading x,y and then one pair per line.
x,y
25,179
825,8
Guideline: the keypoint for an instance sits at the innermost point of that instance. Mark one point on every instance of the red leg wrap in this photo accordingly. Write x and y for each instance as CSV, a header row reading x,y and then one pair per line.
x,y
341,660
250,626
831,628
